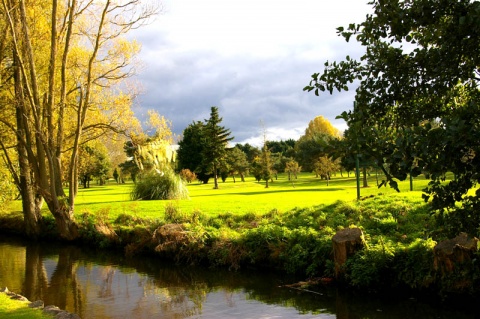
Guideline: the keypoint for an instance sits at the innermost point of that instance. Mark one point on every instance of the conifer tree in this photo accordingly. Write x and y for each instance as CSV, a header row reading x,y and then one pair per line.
x,y
216,142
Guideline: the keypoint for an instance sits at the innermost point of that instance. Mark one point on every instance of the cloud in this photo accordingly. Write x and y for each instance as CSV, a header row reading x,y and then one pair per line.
x,y
250,58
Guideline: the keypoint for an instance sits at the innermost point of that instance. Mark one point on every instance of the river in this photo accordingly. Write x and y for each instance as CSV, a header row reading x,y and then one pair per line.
x,y
99,284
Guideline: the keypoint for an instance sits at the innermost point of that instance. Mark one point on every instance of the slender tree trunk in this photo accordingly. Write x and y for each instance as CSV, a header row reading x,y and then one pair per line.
x,y
365,181
215,177
31,204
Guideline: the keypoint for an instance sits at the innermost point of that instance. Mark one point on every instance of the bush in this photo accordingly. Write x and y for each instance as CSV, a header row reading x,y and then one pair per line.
x,y
159,185
187,175
371,267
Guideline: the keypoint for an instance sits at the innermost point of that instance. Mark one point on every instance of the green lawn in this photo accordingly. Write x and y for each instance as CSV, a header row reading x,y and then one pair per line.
x,y
236,198
14,309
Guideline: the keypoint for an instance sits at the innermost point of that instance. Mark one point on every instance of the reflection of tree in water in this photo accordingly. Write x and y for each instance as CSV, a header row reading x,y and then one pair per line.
x,y
229,298
145,288
64,289
36,279
105,290
171,294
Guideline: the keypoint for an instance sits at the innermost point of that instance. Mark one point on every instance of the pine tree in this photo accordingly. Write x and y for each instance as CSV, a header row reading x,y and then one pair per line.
x,y
216,141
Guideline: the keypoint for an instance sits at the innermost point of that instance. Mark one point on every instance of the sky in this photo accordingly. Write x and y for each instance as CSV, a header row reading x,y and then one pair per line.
x,y
250,58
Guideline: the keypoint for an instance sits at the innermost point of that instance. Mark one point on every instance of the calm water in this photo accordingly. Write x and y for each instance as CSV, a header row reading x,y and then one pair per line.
x,y
101,285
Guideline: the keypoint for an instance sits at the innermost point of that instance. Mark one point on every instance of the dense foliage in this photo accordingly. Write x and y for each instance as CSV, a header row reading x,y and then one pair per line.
x,y
164,184
189,153
417,100
398,248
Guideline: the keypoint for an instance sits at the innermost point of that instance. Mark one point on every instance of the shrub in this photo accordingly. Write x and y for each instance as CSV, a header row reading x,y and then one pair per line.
x,y
156,185
413,264
187,175
371,267
173,214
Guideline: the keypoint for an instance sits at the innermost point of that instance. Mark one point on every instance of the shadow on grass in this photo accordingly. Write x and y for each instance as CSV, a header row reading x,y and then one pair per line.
x,y
106,194
104,202
271,191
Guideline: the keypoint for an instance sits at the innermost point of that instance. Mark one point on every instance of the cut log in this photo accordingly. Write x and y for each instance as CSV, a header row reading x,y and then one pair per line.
x,y
346,243
451,253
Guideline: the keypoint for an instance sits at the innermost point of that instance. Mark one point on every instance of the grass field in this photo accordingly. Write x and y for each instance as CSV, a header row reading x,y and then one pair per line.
x,y
19,310
236,198
287,227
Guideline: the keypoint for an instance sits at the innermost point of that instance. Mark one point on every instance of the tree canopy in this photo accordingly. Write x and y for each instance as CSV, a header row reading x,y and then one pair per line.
x,y
64,66
417,97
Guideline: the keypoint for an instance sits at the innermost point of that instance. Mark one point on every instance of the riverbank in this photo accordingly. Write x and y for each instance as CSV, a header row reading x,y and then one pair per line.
x,y
16,306
399,235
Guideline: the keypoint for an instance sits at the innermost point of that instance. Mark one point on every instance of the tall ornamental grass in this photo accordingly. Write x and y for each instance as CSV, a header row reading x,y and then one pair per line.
x,y
155,185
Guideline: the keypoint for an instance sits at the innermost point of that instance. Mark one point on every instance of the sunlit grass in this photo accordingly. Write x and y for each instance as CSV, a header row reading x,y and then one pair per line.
x,y
240,197
237,198
13,309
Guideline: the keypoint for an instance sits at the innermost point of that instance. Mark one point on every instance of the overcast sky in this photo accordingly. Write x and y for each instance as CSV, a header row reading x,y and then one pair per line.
x,y
250,58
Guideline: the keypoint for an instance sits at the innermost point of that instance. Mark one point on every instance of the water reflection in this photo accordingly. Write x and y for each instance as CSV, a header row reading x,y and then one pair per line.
x,y
95,284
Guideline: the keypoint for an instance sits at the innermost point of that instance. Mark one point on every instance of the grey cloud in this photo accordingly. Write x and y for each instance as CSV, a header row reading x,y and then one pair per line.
x,y
183,86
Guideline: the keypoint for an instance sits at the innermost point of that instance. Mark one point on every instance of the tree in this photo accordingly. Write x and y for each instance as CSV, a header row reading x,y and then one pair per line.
x,y
116,175
236,163
66,68
93,162
319,136
321,125
292,168
265,161
8,189
190,150
252,152
285,148
325,166
216,142
418,80
309,149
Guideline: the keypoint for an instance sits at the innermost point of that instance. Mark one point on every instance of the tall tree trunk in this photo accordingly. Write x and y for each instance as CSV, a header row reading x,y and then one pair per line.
x,y
31,203
365,181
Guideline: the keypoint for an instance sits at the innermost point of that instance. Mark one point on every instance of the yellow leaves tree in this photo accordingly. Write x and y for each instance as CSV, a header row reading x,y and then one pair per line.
x,y
321,125
316,142
68,65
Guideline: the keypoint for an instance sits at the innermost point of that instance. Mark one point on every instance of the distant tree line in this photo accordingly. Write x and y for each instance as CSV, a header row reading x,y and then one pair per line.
x,y
319,151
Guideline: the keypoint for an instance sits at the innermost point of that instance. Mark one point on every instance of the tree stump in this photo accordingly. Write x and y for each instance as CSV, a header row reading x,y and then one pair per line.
x,y
346,243
453,252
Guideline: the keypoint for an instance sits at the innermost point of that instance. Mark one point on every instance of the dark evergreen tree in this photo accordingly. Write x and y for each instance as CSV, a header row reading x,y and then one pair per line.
x,y
191,149
216,140
252,152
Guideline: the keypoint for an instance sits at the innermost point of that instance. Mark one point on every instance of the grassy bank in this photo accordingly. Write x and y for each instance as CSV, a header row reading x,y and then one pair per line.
x,y
287,227
14,309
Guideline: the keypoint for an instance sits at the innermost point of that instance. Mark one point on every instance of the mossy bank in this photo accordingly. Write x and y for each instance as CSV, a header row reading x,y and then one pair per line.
x,y
399,237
